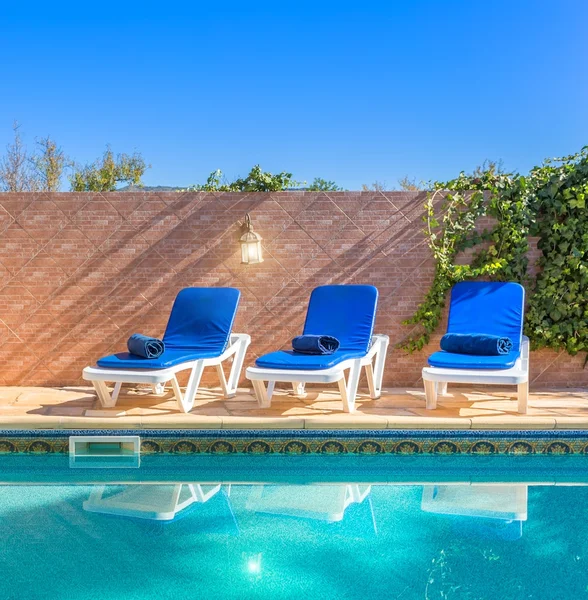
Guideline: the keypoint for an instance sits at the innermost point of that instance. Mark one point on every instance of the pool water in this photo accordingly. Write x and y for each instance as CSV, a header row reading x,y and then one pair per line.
x,y
295,527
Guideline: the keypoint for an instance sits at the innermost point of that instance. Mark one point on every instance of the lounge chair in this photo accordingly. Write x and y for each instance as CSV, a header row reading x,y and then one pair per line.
x,y
488,308
198,335
346,312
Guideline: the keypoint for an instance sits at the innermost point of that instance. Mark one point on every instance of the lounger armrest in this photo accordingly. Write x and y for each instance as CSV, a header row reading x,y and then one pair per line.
x,y
237,339
379,342
525,351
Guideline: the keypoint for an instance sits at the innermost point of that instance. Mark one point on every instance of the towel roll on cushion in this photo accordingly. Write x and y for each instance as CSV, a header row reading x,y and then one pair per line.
x,y
476,344
144,346
315,344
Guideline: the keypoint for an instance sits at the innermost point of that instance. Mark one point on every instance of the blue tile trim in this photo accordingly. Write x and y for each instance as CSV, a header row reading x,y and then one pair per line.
x,y
385,434
306,441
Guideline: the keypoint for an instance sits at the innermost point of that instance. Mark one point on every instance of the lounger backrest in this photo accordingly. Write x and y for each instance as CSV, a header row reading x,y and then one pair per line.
x,y
488,307
202,318
346,312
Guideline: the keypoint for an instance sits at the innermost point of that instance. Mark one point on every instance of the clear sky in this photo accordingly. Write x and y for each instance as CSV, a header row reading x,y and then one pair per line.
x,y
353,92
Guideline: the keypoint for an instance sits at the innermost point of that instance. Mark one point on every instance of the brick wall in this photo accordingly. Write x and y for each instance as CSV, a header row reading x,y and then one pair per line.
x,y
80,272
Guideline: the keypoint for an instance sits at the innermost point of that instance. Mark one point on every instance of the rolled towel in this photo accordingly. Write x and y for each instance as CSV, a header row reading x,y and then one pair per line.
x,y
315,344
477,344
144,346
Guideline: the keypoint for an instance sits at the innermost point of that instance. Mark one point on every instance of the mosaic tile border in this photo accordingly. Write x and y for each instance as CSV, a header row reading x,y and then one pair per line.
x,y
297,442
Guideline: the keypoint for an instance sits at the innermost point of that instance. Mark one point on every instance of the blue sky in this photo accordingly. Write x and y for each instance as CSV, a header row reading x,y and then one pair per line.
x,y
353,92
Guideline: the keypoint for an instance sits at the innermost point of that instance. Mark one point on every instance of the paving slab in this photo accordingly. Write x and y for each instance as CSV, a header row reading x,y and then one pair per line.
x,y
77,407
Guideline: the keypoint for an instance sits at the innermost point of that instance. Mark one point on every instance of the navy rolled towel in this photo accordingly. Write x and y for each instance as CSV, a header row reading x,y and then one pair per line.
x,y
144,346
315,344
477,344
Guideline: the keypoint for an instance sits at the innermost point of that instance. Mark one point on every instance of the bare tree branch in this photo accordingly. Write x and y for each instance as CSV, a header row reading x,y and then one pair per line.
x,y
15,172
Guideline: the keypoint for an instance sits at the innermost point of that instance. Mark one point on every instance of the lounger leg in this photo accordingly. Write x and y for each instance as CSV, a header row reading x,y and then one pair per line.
x,y
369,373
298,388
158,388
103,394
116,391
349,391
177,390
263,399
270,389
523,397
431,394
235,373
378,368
187,403
343,392
223,380
442,388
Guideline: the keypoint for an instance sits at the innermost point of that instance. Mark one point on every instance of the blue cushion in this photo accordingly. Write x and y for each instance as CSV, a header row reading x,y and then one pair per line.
x,y
171,357
199,326
346,312
450,360
202,318
288,359
488,307
493,308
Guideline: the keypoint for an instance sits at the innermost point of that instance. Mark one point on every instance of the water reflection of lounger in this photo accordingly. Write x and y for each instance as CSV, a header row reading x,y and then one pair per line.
x,y
319,502
498,510
153,502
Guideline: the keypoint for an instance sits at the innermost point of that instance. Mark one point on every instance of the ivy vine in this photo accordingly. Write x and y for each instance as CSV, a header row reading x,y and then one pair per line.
x,y
557,315
550,204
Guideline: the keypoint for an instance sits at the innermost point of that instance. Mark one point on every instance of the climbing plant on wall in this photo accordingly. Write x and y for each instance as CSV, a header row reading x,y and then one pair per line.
x,y
549,203
452,214
557,314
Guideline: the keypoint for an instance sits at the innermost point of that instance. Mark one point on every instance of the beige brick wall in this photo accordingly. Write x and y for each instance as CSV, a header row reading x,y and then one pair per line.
x,y
80,272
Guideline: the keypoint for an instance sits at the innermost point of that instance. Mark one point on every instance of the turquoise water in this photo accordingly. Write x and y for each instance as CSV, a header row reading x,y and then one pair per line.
x,y
295,527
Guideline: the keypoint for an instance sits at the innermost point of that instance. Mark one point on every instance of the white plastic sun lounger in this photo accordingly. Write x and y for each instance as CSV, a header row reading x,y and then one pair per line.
x,y
373,362
198,335
483,307
346,312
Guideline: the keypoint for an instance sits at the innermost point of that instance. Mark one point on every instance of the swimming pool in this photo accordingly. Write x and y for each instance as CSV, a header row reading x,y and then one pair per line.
x,y
309,526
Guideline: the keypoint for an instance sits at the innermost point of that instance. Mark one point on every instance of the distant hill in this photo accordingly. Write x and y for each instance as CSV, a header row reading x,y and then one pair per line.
x,y
149,188
171,188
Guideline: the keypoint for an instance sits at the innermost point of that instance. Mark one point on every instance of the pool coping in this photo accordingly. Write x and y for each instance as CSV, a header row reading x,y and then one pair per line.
x,y
315,423
289,433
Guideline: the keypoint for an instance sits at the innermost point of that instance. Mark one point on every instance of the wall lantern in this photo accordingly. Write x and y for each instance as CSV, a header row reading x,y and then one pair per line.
x,y
250,244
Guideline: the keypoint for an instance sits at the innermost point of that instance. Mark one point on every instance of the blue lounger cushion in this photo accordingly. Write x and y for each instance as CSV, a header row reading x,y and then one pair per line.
x,y
315,344
449,360
288,359
199,327
145,346
492,308
170,358
477,344
346,312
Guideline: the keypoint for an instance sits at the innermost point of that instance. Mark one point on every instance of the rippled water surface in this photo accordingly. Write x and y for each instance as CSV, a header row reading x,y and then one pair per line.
x,y
282,527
